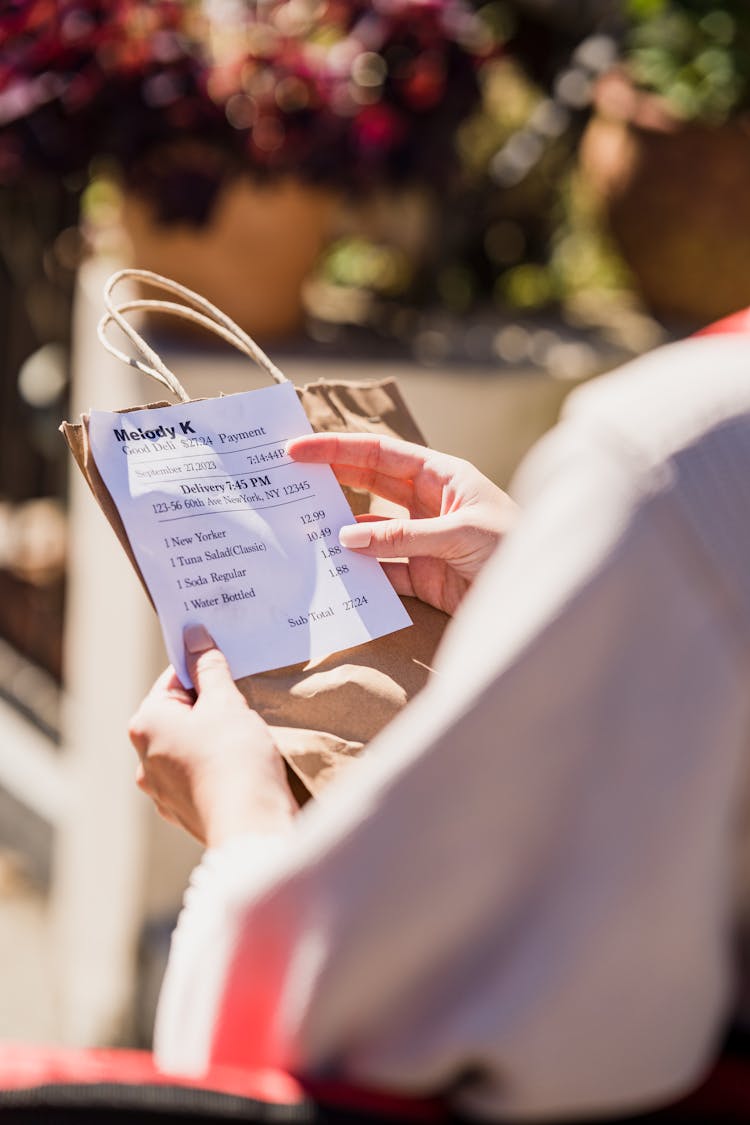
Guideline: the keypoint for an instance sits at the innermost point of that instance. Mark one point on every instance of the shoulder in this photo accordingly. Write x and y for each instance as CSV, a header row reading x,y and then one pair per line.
x,y
662,443
670,400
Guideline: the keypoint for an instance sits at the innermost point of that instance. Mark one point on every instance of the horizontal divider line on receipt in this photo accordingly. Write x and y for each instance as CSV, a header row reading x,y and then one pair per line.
x,y
213,476
208,448
238,508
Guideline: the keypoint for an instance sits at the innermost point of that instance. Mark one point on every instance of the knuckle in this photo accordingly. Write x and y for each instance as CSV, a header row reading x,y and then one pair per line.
x,y
137,731
136,724
443,464
394,535
211,661
142,780
236,701
372,456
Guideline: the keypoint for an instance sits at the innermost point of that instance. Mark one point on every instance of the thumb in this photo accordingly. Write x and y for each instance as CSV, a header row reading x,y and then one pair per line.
x,y
403,538
206,663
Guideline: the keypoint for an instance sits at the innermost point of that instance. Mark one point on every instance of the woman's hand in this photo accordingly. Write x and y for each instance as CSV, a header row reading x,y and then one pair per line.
x,y
457,515
208,762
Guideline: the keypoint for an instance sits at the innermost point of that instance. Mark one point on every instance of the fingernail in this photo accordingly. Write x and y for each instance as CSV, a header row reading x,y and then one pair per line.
x,y
197,638
355,535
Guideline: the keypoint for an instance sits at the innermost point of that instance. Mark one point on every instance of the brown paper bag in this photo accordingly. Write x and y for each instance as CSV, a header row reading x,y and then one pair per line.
x,y
322,713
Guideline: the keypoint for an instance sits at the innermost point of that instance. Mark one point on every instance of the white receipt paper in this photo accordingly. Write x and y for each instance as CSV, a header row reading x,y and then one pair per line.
x,y
230,533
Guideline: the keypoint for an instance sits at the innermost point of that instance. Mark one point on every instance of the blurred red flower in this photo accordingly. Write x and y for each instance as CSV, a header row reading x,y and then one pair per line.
x,y
351,92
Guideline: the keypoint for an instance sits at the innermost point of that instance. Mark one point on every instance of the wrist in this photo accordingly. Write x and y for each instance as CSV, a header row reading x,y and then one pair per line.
x,y
268,812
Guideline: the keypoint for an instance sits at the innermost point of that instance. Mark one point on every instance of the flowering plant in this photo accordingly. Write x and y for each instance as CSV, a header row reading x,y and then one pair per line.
x,y
343,92
349,89
82,78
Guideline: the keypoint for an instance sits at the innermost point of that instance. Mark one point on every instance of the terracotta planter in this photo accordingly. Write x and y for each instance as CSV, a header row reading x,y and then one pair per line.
x,y
677,200
252,258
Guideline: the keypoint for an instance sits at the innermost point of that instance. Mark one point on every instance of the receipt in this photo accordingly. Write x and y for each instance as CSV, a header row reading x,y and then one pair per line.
x,y
230,533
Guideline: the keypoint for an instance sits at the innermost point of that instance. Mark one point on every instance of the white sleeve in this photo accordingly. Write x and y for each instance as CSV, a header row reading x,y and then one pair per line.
x,y
522,894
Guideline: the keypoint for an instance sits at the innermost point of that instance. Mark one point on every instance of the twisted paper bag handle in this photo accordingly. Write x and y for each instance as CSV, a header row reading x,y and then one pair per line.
x,y
196,309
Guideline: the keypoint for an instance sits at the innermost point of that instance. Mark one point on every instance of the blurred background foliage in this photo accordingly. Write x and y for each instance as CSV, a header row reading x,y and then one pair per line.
x,y
478,109
696,55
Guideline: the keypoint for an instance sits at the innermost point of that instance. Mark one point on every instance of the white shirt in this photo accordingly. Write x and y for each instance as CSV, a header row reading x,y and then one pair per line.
x,y
525,893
